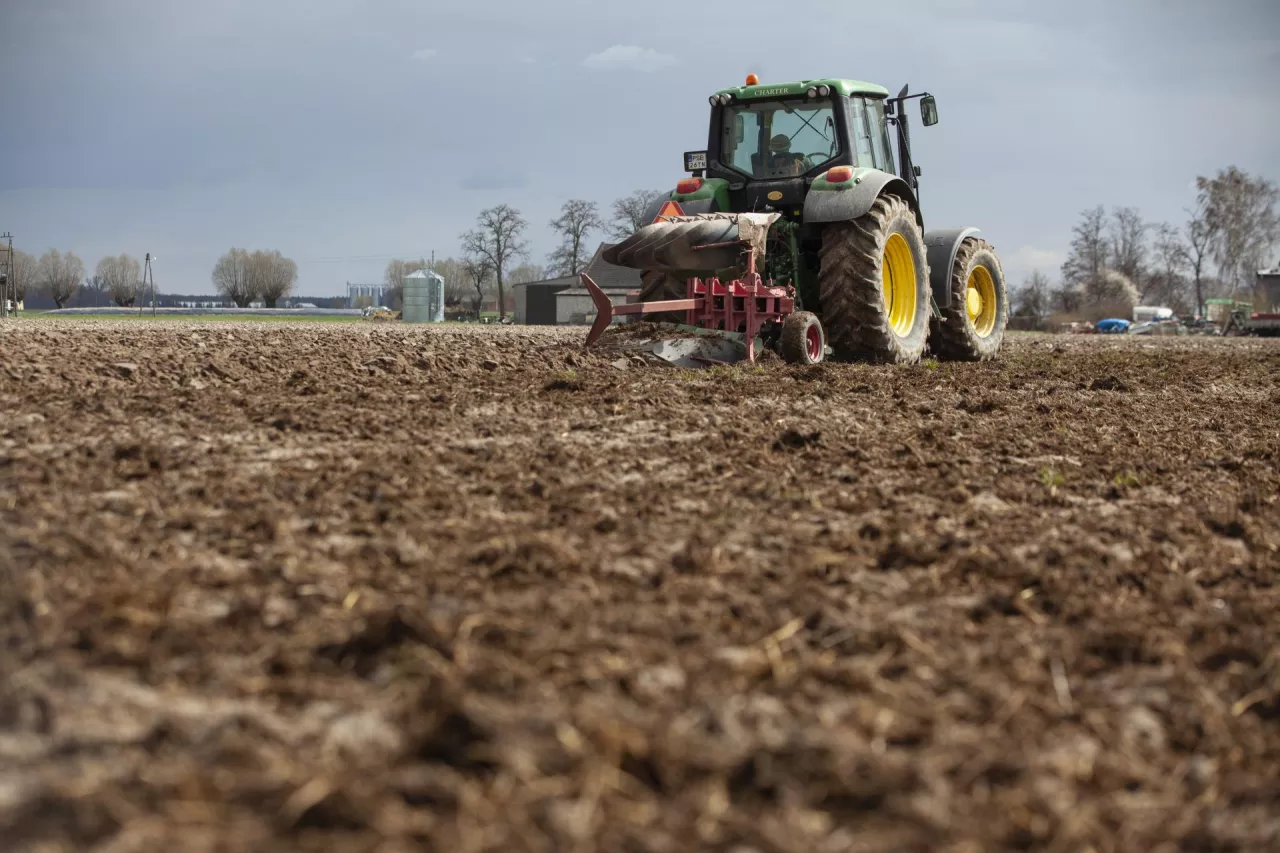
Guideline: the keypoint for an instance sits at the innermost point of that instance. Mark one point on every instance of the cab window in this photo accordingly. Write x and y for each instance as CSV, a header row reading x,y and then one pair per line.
x,y
779,139
877,129
858,132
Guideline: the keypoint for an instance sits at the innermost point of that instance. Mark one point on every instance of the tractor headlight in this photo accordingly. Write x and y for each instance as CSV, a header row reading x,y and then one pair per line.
x,y
812,93
824,90
725,99
715,100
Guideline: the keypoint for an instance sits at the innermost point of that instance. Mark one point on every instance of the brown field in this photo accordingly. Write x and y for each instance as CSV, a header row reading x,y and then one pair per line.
x,y
355,587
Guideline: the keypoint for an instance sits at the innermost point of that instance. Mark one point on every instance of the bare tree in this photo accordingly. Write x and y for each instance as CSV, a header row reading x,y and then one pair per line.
x,y
394,275
1032,299
1129,243
478,270
577,219
1166,281
271,276
629,211
496,239
1084,266
1200,237
526,273
120,277
1066,298
97,285
23,274
60,275
1241,212
232,278
456,282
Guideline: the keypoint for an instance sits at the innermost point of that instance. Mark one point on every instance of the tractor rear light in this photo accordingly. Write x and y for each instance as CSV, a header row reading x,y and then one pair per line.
x,y
689,185
839,174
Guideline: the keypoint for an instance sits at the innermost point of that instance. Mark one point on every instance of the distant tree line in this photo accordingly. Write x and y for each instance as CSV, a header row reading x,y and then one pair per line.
x,y
494,255
60,277
494,252
1119,260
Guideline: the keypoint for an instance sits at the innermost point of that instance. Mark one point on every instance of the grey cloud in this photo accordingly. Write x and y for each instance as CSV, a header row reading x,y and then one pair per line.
x,y
307,124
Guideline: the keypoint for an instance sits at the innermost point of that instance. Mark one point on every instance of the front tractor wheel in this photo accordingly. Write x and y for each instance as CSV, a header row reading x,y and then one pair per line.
x,y
874,285
972,327
802,341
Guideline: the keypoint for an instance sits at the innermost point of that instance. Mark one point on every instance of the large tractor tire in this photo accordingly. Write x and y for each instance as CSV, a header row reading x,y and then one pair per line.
x,y
657,286
874,285
972,327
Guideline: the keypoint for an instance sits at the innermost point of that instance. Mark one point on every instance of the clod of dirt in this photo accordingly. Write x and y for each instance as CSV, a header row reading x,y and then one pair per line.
x,y
217,370
126,369
563,385
490,364
1107,383
794,440
382,362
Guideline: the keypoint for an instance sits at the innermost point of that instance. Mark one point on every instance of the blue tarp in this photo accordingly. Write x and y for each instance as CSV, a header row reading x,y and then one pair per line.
x,y
1112,325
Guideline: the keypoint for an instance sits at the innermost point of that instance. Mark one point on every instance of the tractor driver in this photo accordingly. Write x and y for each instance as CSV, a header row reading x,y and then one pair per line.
x,y
782,163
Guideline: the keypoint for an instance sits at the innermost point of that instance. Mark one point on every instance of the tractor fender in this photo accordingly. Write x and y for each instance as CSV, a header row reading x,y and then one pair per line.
x,y
840,203
941,247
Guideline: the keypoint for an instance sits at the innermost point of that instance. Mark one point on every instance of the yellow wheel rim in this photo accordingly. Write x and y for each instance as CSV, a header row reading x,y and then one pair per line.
x,y
898,284
980,301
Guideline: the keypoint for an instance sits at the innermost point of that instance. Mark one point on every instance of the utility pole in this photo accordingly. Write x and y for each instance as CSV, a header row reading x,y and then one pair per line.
x,y
7,284
147,270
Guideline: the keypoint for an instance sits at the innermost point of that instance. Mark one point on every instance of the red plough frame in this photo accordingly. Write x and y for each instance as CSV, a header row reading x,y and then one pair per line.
x,y
742,305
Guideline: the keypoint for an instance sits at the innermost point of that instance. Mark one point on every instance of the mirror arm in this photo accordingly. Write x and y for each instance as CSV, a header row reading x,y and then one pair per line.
x,y
906,168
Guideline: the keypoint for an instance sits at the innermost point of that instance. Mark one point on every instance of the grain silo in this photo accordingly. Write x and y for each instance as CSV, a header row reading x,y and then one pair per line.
x,y
423,297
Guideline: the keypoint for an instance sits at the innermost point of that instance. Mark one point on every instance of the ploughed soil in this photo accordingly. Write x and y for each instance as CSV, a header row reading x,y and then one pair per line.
x,y
382,588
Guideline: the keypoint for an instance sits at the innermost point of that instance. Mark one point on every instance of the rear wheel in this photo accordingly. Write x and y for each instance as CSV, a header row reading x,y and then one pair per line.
x,y
658,286
874,285
972,327
802,341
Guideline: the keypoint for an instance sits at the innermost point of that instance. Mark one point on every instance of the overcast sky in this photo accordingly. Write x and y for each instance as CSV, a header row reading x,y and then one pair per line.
x,y
345,133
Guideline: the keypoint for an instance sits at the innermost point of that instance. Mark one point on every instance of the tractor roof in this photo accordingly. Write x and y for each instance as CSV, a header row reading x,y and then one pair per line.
x,y
773,90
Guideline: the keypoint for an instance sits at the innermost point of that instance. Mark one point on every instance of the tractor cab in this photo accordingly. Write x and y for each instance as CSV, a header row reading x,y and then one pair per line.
x,y
771,143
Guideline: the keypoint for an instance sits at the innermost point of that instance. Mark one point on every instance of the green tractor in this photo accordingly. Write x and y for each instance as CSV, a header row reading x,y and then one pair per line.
x,y
811,167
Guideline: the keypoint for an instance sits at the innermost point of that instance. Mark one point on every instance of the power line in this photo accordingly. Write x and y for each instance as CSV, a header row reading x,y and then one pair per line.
x,y
338,259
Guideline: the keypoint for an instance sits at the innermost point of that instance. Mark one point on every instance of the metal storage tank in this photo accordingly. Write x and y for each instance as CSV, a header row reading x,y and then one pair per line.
x,y
423,297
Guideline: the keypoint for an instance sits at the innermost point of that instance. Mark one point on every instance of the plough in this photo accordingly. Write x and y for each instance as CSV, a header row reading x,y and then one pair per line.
x,y
747,310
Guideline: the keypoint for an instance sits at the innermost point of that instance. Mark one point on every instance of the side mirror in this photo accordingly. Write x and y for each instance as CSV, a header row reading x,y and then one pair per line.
x,y
928,111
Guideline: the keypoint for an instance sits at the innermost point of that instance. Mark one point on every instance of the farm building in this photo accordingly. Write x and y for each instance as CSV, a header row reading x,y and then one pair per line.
x,y
1266,291
536,300
574,306
564,301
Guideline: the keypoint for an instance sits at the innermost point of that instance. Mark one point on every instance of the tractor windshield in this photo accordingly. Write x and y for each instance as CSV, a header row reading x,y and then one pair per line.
x,y
779,139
